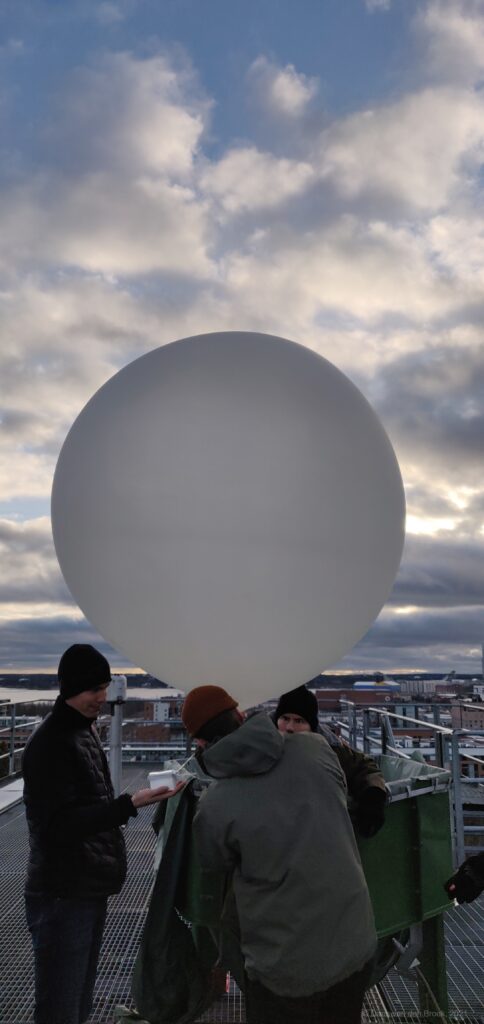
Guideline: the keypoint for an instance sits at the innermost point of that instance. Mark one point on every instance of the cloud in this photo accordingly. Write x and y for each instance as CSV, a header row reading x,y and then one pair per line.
x,y
38,617
60,340
133,228
30,572
453,33
115,195
110,13
461,626
281,91
133,115
359,270
246,179
13,47
444,572
377,5
434,639
411,152
456,238
385,654
445,510
431,402
37,644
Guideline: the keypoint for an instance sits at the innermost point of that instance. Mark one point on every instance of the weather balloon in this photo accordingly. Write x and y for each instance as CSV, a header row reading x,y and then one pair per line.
x,y
228,509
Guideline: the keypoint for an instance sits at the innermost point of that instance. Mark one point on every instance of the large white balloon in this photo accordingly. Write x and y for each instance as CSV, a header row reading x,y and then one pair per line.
x,y
228,509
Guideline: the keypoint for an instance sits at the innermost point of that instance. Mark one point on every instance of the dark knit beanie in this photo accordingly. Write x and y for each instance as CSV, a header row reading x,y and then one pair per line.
x,y
202,704
299,702
82,667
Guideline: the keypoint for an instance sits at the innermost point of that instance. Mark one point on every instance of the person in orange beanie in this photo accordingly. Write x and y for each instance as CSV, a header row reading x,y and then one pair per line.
x,y
275,817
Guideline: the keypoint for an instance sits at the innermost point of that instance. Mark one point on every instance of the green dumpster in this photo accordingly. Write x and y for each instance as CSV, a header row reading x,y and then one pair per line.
x,y
405,864
408,861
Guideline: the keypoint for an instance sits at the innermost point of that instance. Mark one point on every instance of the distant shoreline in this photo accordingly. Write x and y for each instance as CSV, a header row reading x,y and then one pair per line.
x,y
48,680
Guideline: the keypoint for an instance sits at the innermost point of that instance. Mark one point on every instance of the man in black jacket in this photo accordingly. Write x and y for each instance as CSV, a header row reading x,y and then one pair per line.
x,y
77,852
297,711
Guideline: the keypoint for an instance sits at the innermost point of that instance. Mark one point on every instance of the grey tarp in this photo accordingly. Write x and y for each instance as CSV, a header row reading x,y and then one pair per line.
x,y
400,773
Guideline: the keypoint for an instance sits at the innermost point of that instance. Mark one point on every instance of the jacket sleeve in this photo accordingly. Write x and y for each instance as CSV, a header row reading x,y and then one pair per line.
x,y
71,821
215,846
361,771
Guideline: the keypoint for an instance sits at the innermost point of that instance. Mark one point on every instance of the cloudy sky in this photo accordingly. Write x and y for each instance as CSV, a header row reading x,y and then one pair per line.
x,y
310,169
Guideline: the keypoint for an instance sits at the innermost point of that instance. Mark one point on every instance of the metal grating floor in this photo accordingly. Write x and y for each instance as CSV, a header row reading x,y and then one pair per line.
x,y
396,1001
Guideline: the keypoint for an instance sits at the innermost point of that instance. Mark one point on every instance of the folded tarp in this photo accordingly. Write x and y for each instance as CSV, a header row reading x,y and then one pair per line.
x,y
173,977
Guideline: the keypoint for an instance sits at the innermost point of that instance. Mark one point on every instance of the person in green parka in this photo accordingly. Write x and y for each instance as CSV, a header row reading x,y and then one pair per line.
x,y
276,818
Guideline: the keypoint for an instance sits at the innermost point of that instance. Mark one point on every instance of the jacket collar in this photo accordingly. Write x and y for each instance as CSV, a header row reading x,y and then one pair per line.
x,y
68,717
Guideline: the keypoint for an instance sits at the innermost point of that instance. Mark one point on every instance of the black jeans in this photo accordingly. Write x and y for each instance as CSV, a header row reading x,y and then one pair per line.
x,y
340,1004
66,936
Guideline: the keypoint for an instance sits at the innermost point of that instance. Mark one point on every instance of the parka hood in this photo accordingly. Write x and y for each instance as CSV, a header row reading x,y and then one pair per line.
x,y
252,749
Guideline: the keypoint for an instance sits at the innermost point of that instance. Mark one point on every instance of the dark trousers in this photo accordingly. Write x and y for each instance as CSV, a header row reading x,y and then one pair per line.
x,y
66,936
341,1004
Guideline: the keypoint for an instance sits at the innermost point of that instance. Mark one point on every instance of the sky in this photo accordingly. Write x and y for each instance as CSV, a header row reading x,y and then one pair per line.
x,y
309,170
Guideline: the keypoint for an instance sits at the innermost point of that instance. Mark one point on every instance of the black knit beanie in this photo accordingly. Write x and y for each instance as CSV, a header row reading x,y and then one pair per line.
x,y
299,702
82,667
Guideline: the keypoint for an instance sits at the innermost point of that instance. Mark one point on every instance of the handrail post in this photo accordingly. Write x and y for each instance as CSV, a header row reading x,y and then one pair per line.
x,y
116,697
389,729
346,706
11,760
440,749
387,736
383,734
366,731
458,809
354,728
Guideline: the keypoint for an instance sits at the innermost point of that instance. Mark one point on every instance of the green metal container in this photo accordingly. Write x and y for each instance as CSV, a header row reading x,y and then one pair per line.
x,y
408,861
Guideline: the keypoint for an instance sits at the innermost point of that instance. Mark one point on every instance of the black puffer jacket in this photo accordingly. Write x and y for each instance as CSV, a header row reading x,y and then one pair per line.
x,y
76,845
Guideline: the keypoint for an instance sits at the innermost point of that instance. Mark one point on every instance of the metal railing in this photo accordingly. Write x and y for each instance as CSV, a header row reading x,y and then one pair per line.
x,y
446,751
15,733
370,729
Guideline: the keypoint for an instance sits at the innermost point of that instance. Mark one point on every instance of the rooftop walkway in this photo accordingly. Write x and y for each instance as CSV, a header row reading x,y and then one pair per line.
x,y
11,794
395,1001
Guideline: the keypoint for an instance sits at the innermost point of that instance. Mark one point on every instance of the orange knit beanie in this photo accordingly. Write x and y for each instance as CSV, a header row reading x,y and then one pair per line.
x,y
204,703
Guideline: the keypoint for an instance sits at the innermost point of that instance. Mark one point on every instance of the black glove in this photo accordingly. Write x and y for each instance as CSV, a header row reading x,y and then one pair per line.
x,y
370,811
468,882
